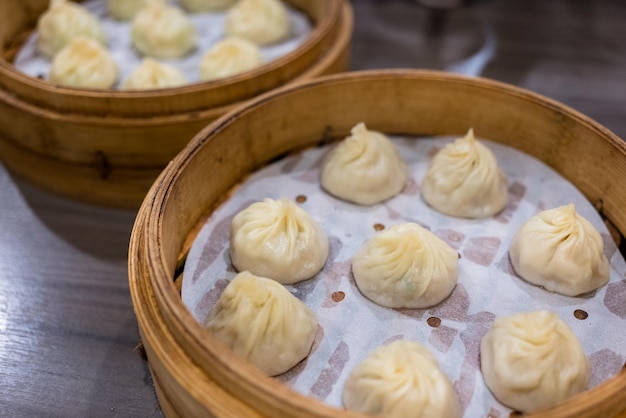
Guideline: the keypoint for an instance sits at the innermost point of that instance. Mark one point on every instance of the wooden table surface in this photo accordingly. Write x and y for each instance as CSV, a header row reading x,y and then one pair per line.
x,y
67,327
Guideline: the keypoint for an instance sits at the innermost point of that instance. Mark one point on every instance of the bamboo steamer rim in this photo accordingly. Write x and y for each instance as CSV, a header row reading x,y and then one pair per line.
x,y
150,245
318,68
32,88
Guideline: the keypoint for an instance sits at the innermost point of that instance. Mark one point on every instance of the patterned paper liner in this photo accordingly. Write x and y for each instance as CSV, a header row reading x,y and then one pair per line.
x,y
351,326
209,27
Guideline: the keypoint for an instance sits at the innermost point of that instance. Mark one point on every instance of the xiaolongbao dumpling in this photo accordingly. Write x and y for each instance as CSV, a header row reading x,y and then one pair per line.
x,y
464,180
127,9
364,168
196,6
63,22
84,63
561,251
399,380
260,21
262,322
162,31
152,74
277,239
532,361
229,57
406,266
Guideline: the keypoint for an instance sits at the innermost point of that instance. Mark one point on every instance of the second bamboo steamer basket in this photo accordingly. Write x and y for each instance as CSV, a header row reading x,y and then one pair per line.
x,y
194,373
108,147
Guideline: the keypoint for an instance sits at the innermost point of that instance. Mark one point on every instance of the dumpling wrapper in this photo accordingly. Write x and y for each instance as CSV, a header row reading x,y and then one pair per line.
x,y
63,22
195,6
533,360
406,266
399,380
262,322
163,31
561,251
464,180
127,9
229,57
84,63
279,240
364,168
263,22
152,74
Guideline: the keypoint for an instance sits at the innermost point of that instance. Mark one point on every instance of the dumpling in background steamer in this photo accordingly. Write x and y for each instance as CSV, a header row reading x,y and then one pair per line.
x,y
279,240
364,168
63,22
398,380
152,74
406,266
464,180
561,251
195,6
262,322
229,57
532,361
162,31
263,22
127,9
84,63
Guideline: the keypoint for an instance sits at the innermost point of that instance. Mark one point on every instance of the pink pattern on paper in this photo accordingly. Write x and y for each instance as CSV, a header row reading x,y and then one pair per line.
x,y
516,194
615,298
481,250
442,338
211,297
603,365
453,238
328,377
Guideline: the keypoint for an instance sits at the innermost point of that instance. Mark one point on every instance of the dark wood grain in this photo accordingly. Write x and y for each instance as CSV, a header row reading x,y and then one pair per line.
x,y
67,327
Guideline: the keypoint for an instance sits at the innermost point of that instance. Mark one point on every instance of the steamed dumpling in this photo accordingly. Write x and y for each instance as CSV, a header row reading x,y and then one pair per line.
x,y
63,22
196,6
229,57
399,380
277,239
127,9
84,63
464,180
162,31
262,322
152,74
561,251
263,22
532,361
364,168
406,266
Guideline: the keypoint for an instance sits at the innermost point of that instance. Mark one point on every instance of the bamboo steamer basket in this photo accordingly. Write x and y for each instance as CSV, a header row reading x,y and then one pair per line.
x,y
108,147
195,374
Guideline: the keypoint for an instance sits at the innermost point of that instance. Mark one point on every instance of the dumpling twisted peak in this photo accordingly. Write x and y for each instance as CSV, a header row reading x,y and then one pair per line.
x,y
84,63
279,240
364,168
398,380
532,360
262,322
561,251
406,266
464,180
